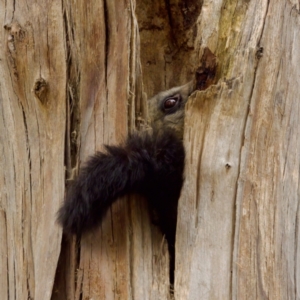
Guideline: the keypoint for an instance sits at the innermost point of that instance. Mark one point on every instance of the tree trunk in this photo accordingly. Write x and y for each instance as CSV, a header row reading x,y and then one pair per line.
x,y
71,82
238,214
32,134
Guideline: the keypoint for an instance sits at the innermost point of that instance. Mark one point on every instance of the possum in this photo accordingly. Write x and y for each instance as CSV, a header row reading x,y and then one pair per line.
x,y
149,163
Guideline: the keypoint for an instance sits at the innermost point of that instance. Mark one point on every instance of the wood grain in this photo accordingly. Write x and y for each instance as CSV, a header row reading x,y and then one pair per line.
x,y
122,259
71,80
238,225
32,134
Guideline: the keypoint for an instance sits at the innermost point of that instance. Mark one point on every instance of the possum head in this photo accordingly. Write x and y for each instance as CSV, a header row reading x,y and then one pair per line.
x,y
166,109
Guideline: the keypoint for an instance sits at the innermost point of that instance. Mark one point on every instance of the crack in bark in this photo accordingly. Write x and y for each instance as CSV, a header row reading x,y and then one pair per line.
x,y
70,249
296,240
7,251
30,196
106,25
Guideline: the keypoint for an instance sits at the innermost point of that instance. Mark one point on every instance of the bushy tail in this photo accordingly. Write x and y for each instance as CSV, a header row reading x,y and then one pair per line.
x,y
148,164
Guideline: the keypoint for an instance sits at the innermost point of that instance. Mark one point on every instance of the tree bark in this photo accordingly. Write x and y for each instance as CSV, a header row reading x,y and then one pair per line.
x,y
126,258
71,81
32,134
239,209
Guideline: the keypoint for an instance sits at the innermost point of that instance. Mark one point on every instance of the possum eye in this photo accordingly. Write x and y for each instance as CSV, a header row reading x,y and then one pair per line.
x,y
171,103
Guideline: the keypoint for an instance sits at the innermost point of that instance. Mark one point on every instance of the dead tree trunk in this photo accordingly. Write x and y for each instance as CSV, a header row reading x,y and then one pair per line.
x,y
237,234
32,134
105,96
71,81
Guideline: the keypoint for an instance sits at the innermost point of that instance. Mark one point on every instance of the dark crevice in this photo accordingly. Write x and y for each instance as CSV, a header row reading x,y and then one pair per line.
x,y
27,141
171,26
131,249
72,146
7,251
168,8
172,255
28,291
14,9
106,54
30,190
68,162
72,102
106,24
81,288
77,262
172,29
15,281
296,240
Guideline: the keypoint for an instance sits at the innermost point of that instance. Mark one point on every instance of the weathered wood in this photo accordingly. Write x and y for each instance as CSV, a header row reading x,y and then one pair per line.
x,y
32,137
167,33
267,236
71,82
123,259
238,215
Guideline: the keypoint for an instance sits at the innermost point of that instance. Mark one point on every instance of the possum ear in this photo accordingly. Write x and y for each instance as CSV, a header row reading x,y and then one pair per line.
x,y
188,88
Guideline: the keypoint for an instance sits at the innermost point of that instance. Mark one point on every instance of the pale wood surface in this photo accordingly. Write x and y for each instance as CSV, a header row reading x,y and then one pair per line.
x,y
32,135
71,81
238,229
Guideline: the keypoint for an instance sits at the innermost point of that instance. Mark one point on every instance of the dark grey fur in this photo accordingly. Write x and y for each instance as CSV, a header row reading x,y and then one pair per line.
x,y
149,163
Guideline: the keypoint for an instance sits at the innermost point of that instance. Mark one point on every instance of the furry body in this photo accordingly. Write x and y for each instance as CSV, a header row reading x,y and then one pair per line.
x,y
150,163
